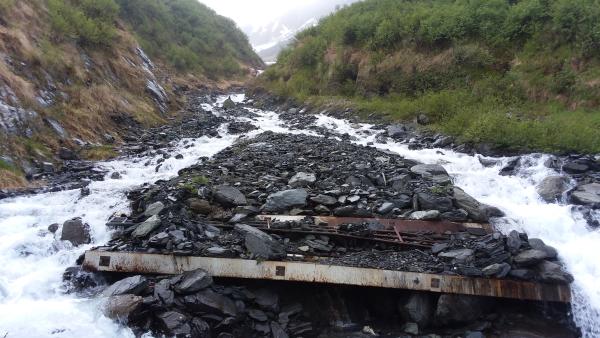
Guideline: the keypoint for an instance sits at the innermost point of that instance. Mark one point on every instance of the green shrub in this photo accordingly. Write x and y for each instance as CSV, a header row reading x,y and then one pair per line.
x,y
90,22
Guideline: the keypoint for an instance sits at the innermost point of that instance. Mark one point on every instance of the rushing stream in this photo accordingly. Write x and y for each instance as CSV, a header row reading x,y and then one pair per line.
x,y
32,260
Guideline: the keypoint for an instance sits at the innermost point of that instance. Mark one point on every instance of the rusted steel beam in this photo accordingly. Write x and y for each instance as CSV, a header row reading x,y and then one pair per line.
x,y
390,224
314,272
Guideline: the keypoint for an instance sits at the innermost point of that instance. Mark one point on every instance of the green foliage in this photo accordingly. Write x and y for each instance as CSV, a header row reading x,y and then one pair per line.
x,y
90,22
189,35
510,72
5,5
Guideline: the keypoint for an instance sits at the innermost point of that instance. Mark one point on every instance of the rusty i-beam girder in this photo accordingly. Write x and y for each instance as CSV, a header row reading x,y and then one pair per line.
x,y
315,272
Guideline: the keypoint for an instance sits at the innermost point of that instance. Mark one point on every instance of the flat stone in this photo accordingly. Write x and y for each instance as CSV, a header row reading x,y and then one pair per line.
x,y
285,200
428,170
324,200
257,315
429,215
459,254
175,324
500,270
386,208
228,196
302,180
146,227
131,285
163,292
260,243
439,247
538,244
154,209
210,301
193,281
587,194
530,257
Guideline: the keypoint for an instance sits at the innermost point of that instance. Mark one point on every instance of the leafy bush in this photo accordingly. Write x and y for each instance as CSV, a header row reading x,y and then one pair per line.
x,y
90,22
469,64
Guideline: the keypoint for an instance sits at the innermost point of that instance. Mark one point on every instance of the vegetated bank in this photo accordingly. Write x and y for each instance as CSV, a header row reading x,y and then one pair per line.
x,y
517,74
75,73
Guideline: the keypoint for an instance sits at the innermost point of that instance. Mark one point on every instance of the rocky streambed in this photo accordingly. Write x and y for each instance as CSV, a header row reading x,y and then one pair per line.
x,y
199,184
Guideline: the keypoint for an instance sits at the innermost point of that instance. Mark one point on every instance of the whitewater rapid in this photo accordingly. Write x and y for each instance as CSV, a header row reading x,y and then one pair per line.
x,y
32,260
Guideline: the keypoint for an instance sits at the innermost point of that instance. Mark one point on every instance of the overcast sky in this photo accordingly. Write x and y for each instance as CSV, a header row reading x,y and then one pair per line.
x,y
255,12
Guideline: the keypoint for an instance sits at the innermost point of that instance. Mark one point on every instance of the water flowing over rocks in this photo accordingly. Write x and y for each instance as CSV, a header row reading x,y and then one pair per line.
x,y
301,164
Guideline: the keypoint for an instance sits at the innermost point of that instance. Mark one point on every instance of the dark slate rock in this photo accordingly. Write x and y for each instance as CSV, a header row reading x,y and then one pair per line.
x,y
210,301
193,281
456,309
550,272
228,196
530,257
261,244
285,200
131,285
76,232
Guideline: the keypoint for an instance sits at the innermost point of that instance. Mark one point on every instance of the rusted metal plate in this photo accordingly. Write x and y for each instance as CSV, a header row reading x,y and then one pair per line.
x,y
388,223
314,272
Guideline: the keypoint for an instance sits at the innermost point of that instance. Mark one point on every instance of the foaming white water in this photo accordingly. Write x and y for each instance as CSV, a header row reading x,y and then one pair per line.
x,y
556,223
32,303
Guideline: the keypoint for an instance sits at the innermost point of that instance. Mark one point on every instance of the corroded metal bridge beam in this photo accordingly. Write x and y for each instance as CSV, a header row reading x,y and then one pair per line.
x,y
327,274
389,223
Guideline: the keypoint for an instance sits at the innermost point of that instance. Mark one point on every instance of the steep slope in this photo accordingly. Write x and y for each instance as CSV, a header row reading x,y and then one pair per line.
x,y
73,78
190,36
517,74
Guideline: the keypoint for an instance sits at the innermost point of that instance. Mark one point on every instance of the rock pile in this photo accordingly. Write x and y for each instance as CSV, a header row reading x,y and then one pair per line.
x,y
192,305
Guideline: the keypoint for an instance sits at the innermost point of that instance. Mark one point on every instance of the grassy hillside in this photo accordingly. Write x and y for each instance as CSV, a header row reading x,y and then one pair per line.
x,y
516,73
71,71
190,36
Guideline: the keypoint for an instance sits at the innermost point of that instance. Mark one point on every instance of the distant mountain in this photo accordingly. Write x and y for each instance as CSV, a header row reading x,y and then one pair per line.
x,y
270,38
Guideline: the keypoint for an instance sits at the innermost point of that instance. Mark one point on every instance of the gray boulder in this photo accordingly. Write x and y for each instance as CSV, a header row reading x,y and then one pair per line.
x,y
67,154
285,200
530,257
193,281
587,194
228,196
132,285
396,131
146,227
428,201
457,309
477,211
550,272
538,244
175,324
428,170
551,188
302,180
260,244
76,232
163,292
154,209
419,308
121,307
